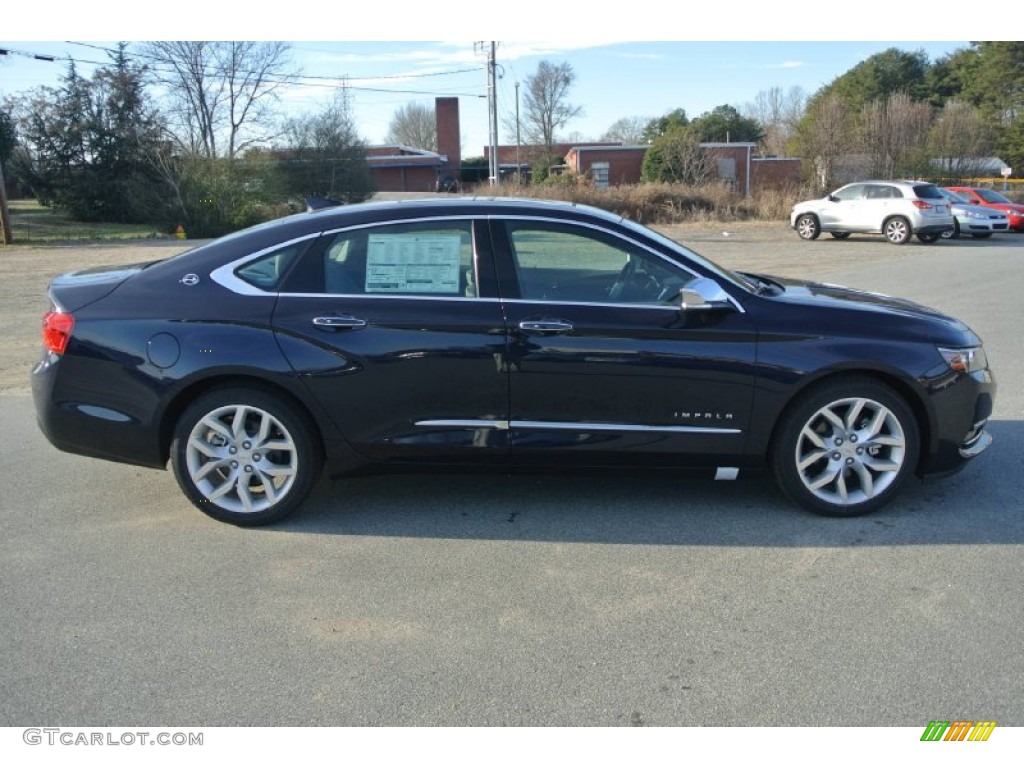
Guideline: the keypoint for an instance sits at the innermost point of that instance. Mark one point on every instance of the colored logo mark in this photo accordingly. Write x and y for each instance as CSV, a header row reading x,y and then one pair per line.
x,y
958,730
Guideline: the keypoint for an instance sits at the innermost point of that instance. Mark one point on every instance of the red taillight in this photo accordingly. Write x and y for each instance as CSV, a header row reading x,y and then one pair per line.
x,y
57,327
921,204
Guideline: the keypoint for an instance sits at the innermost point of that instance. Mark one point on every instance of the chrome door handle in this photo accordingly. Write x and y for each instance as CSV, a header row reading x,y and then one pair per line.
x,y
545,326
338,323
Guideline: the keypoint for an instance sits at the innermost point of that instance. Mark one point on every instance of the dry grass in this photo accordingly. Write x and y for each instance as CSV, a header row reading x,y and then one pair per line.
x,y
661,203
32,223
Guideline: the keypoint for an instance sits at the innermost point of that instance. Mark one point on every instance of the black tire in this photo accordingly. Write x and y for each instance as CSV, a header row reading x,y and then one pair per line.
x,y
852,470
840,235
929,238
981,235
897,230
250,474
808,226
953,232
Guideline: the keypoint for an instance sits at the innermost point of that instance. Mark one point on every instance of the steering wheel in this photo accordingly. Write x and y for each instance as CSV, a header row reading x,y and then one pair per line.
x,y
636,285
623,280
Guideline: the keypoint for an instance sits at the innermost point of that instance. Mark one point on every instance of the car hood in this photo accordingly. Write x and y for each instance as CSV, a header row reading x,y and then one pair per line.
x,y
74,290
884,308
968,208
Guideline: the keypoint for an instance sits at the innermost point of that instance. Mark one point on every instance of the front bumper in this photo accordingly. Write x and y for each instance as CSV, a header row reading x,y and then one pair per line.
x,y
962,405
976,446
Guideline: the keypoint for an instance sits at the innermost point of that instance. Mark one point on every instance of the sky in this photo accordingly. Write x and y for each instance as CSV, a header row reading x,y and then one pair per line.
x,y
613,80
718,59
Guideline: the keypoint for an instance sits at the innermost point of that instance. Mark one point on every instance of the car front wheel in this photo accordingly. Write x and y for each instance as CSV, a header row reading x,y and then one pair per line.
x,y
845,448
807,226
897,230
952,233
929,238
244,456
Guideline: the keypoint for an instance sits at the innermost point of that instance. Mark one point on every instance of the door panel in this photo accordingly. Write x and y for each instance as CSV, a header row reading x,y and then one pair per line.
x,y
397,344
601,358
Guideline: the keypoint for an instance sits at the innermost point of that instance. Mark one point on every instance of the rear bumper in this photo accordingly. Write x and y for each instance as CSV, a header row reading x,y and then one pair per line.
x,y
933,229
88,429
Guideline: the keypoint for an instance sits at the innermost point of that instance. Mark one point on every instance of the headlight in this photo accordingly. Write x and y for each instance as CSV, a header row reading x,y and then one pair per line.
x,y
976,215
965,360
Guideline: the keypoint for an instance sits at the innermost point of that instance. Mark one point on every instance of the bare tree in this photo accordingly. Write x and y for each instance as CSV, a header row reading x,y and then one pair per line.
x,y
545,106
222,94
959,138
325,156
893,132
780,112
823,138
628,130
414,125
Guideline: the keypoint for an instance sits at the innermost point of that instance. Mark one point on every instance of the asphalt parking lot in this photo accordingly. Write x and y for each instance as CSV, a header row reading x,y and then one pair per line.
x,y
523,600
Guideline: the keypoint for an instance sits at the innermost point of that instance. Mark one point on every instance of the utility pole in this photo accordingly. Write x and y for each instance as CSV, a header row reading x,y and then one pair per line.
x,y
5,216
519,165
492,111
492,104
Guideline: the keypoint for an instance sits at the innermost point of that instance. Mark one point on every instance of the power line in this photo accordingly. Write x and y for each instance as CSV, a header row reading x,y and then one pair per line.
x,y
307,81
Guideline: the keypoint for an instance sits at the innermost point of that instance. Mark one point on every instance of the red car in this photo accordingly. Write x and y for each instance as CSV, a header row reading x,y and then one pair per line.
x,y
992,199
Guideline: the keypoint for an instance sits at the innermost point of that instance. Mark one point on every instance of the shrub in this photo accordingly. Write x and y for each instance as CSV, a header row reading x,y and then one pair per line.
x,y
661,203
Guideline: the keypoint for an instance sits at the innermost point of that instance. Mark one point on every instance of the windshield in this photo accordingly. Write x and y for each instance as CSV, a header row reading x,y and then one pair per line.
x,y
992,197
953,197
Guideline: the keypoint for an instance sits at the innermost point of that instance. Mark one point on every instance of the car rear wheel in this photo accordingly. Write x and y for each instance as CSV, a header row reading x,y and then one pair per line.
x,y
929,238
244,456
897,230
840,235
808,227
952,233
845,448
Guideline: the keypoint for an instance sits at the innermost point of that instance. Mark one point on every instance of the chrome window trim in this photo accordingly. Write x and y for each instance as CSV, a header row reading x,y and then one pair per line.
x,y
225,275
378,296
549,303
417,220
574,426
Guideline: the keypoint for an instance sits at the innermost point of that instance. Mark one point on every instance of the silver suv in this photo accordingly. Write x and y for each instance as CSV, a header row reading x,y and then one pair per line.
x,y
896,209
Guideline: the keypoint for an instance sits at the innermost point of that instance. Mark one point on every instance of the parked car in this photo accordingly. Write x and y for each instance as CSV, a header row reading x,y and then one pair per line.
x,y
989,198
447,184
496,333
974,220
896,209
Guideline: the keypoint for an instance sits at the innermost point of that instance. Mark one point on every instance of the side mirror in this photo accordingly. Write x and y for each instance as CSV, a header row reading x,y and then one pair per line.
x,y
703,293
832,198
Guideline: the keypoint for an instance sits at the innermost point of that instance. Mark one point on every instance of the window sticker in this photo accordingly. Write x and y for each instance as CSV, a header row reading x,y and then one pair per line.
x,y
413,264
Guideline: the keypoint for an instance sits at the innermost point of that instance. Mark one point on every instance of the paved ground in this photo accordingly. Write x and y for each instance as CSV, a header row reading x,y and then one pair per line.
x,y
524,600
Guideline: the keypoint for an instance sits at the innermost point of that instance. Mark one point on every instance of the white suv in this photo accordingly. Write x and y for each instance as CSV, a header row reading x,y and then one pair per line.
x,y
896,209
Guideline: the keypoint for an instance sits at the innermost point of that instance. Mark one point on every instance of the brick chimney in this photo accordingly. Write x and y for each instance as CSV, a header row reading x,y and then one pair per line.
x,y
449,141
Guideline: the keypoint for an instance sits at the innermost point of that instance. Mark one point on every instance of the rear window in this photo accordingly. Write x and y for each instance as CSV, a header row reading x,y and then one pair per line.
x,y
928,192
267,271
